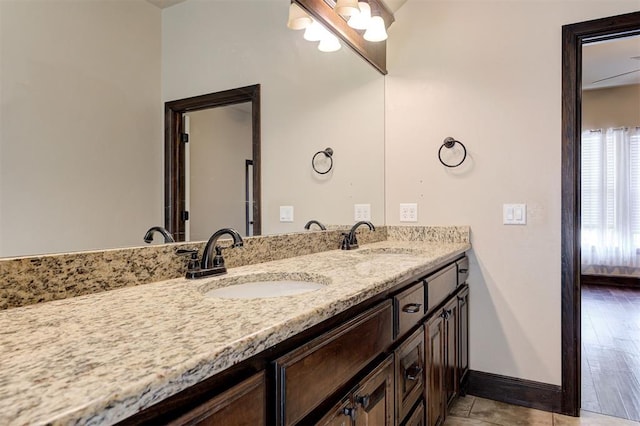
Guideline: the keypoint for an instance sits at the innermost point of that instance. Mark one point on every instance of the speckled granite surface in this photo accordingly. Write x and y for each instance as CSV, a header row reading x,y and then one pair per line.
x,y
435,234
100,358
35,279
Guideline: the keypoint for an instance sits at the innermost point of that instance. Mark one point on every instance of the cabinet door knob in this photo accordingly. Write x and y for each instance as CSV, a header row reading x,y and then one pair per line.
x,y
363,401
413,372
411,308
350,412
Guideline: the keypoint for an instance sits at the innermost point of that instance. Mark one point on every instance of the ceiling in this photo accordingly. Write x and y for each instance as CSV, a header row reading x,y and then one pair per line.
x,y
611,63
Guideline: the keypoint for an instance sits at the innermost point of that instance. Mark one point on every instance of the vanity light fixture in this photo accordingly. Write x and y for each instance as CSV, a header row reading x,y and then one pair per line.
x,y
316,32
347,7
298,18
361,20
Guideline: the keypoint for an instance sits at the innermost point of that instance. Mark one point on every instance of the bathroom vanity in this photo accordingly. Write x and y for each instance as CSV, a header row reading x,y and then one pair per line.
x,y
383,342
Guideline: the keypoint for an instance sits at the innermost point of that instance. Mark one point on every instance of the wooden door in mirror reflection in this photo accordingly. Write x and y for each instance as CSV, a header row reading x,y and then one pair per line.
x,y
187,159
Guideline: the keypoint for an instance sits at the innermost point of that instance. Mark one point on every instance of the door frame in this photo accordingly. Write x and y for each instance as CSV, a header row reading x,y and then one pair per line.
x,y
573,37
174,152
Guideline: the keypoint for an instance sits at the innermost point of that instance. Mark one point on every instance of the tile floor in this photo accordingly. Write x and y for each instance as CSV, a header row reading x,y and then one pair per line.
x,y
474,411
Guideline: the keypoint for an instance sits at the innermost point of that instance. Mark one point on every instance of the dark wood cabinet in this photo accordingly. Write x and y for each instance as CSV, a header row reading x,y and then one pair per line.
x,y
370,403
242,405
308,375
389,361
434,334
463,338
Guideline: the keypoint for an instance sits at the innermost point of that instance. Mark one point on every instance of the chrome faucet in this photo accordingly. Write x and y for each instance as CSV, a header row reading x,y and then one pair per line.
x,y
349,240
148,237
311,222
214,265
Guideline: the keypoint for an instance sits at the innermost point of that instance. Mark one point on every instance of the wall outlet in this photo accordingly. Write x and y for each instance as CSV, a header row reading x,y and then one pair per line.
x,y
286,213
361,212
408,212
514,214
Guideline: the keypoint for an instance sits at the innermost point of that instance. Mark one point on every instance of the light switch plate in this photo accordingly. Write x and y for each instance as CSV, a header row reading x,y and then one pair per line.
x,y
514,214
361,212
286,213
408,212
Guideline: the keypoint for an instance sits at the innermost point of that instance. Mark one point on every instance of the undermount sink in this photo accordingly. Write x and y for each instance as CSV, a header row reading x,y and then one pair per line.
x,y
265,285
387,251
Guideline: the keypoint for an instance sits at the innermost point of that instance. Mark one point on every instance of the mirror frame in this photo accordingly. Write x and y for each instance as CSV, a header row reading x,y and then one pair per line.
x,y
573,37
174,153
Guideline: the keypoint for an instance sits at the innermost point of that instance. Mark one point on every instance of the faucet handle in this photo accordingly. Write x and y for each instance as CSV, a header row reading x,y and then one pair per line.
x,y
193,261
218,260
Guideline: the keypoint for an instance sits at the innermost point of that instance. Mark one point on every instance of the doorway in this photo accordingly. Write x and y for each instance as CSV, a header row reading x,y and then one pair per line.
x,y
175,176
574,36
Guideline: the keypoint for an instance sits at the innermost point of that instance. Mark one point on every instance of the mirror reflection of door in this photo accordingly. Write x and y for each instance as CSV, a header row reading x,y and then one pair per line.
x,y
220,143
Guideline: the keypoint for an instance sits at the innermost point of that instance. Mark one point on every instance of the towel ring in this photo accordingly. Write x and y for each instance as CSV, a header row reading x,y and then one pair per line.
x,y
328,153
449,143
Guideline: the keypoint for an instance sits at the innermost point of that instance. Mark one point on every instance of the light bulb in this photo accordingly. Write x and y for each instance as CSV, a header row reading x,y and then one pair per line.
x,y
329,43
376,30
298,18
314,32
361,20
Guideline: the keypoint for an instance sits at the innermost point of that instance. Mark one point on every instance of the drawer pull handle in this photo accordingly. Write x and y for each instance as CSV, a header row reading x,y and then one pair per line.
x,y
413,373
364,401
411,308
350,412
463,271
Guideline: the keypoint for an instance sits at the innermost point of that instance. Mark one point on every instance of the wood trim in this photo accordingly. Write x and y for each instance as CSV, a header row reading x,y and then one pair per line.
x,y
527,393
174,153
374,53
573,37
611,280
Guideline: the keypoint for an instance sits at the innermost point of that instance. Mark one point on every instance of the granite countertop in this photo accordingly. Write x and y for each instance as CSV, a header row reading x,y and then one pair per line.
x,y
101,358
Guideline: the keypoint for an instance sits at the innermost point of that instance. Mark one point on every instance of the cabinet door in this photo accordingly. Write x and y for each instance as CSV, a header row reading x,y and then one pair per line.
x,y
374,398
434,363
463,337
243,404
451,350
417,417
409,360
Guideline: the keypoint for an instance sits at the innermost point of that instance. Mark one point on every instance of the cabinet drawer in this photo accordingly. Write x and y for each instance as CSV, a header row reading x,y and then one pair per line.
x,y
309,374
440,285
417,417
410,373
409,308
243,404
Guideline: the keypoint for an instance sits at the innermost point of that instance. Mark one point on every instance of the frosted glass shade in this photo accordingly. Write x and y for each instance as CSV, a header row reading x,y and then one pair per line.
x,y
314,32
298,18
329,43
376,30
362,19
347,7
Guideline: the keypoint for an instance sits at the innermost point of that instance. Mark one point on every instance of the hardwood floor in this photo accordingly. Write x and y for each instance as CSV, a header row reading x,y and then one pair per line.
x,y
611,351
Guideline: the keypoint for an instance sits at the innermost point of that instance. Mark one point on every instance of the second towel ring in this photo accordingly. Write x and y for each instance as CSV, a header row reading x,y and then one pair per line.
x,y
449,143
328,153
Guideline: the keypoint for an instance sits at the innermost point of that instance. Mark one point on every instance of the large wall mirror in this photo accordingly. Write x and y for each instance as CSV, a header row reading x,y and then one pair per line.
x,y
83,87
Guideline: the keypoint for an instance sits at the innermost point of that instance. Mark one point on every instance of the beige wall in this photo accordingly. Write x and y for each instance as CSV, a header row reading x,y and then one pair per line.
x,y
310,100
219,143
80,125
611,107
489,74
